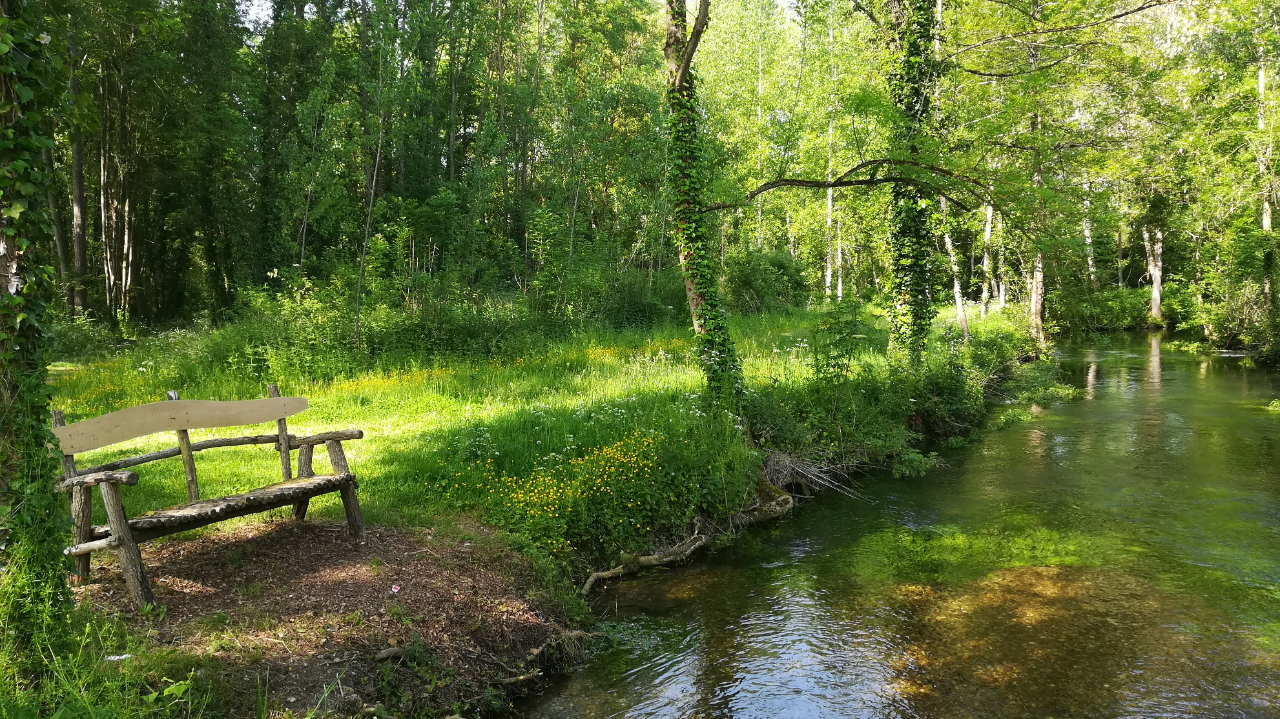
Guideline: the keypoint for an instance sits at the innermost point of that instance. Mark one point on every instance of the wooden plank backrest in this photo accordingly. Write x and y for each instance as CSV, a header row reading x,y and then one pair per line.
x,y
171,416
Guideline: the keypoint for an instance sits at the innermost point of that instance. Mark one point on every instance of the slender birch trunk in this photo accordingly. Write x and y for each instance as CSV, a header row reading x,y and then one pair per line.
x,y
1155,268
955,274
987,279
1087,226
79,206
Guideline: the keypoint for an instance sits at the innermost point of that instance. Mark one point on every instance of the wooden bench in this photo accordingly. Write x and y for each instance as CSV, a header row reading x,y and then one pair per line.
x,y
123,534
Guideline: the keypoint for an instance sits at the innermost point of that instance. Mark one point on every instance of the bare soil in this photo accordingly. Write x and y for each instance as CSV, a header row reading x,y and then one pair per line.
x,y
408,622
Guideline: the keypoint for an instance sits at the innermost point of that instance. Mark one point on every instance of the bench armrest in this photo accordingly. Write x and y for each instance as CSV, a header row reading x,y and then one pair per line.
x,y
90,480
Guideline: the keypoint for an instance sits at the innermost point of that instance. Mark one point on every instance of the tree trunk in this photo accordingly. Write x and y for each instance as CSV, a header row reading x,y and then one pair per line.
x,y
1120,256
79,207
1087,226
34,603
1037,298
831,116
55,216
839,264
1264,157
988,280
1155,269
955,275
689,229
911,81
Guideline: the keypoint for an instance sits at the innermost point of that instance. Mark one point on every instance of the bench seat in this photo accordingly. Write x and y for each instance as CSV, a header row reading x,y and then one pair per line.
x,y
172,520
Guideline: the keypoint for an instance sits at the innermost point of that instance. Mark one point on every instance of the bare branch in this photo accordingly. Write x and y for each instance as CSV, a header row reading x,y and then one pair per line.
x,y
695,36
1146,5
858,6
823,184
1016,73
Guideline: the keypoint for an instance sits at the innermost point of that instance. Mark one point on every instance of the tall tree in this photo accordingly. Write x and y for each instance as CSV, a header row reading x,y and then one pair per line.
x,y
689,218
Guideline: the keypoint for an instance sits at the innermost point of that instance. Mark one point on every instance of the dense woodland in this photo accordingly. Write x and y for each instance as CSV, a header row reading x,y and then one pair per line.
x,y
303,191
420,158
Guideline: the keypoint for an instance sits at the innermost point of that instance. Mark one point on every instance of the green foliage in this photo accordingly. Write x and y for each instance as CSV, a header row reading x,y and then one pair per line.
x,y
691,235
1111,309
858,407
33,518
637,300
756,282
111,673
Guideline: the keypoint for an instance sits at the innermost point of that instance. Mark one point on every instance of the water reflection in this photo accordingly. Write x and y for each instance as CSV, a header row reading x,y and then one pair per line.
x,y
1118,557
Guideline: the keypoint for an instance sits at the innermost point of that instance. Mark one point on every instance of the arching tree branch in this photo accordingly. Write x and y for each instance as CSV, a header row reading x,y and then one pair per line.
x,y
846,179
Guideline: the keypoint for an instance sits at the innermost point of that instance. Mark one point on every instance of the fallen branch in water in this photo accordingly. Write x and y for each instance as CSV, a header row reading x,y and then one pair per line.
x,y
674,554
776,505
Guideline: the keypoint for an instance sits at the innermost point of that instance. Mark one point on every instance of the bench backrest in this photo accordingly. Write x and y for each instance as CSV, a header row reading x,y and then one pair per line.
x,y
178,416
144,419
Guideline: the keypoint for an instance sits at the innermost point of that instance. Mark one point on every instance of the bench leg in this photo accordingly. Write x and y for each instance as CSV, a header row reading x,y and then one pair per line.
x,y
304,470
82,515
351,503
135,576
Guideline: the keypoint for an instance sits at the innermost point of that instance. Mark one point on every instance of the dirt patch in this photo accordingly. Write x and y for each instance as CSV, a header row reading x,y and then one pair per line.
x,y
420,622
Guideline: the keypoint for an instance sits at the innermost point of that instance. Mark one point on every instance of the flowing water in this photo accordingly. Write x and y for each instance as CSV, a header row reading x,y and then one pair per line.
x,y
1116,556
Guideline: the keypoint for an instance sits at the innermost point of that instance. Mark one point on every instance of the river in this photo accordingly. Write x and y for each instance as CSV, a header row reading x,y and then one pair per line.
x,y
1115,556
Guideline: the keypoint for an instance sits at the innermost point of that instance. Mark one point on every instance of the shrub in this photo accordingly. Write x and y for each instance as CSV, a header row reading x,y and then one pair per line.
x,y
758,281
633,302
1121,308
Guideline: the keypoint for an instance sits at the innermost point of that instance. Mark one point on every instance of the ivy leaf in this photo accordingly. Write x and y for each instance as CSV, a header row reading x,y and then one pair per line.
x,y
14,209
24,93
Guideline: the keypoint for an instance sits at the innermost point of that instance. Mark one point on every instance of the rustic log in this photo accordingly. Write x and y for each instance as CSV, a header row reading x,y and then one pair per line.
x,y
84,548
145,419
294,443
304,470
208,511
81,505
188,459
350,500
175,451
337,458
135,575
85,481
324,438
282,444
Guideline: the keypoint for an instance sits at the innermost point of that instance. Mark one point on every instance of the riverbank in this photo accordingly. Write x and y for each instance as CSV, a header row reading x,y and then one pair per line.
x,y
570,456
1115,555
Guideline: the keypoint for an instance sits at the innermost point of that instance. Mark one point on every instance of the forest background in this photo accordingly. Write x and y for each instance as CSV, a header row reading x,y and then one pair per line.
x,y
460,168
212,196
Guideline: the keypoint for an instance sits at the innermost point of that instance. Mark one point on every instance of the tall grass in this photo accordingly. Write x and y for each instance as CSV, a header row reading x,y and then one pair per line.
x,y
579,446
599,443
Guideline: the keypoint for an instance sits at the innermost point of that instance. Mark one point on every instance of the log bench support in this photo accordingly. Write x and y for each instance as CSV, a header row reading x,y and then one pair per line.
x,y
123,534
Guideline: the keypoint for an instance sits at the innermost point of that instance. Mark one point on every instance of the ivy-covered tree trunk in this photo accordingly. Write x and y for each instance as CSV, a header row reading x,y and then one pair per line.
x,y
689,231
33,518
910,83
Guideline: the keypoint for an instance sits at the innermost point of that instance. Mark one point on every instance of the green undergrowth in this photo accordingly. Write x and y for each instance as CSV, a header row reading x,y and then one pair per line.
x,y
596,444
600,443
116,673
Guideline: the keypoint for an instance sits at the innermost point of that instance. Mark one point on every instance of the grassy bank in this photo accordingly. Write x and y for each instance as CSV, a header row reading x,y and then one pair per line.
x,y
582,447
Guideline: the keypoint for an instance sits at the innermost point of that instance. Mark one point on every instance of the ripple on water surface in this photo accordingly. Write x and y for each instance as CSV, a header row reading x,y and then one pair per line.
x,y
1118,556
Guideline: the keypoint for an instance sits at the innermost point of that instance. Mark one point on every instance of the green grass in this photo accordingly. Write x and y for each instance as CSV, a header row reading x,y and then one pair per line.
x,y
580,447
599,444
